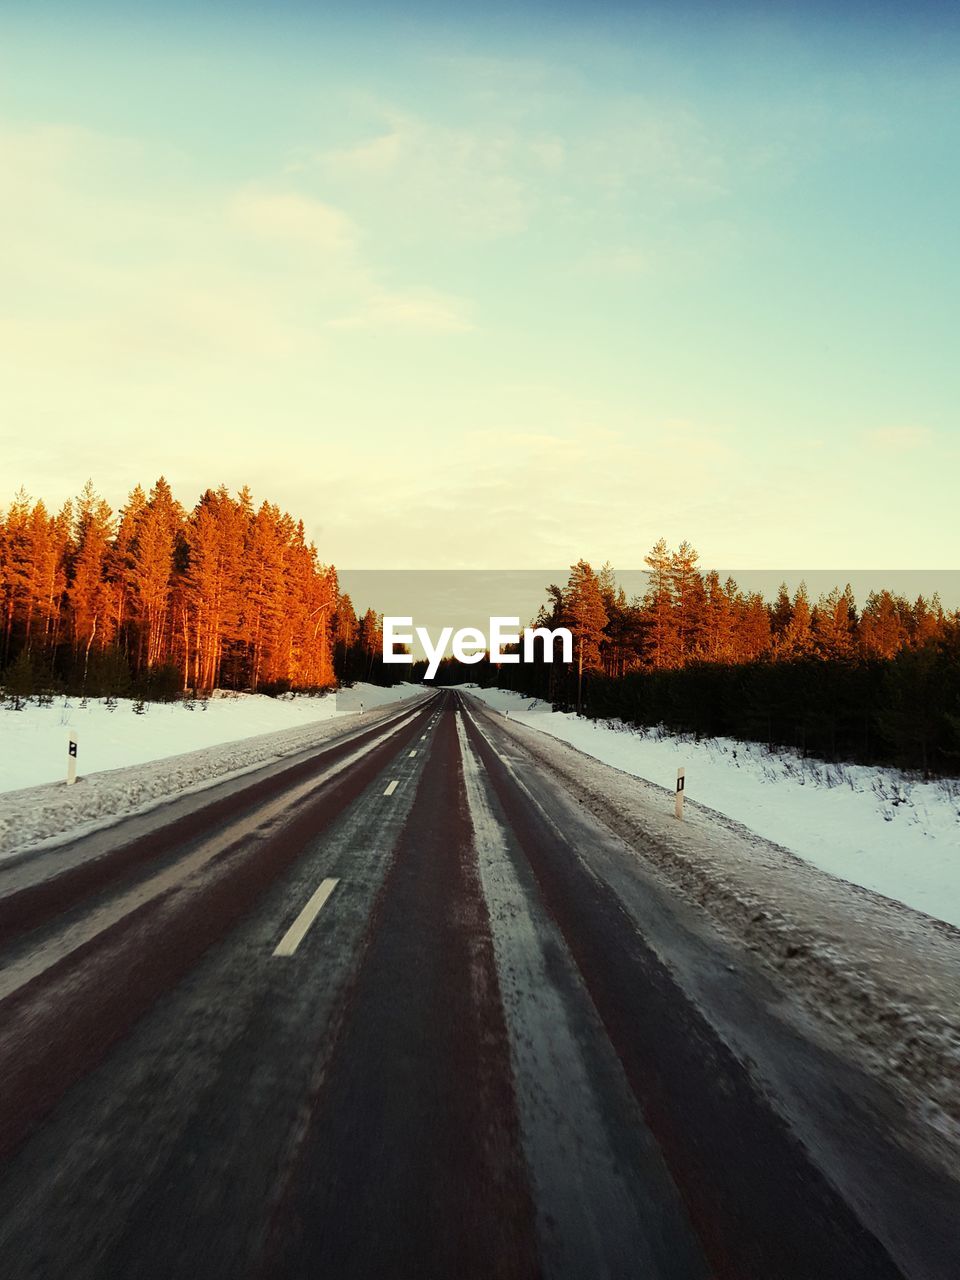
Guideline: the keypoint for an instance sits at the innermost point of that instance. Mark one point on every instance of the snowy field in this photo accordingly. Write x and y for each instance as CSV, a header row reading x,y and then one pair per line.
x,y
874,827
33,741
130,763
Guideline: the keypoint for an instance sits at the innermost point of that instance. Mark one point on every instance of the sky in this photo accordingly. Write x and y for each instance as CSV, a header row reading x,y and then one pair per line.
x,y
498,287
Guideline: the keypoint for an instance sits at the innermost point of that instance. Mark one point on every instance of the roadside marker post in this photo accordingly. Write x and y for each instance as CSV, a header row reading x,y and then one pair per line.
x,y
71,760
678,803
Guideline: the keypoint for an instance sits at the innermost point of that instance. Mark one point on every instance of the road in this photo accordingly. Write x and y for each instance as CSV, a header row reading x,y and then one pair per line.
x,y
398,1008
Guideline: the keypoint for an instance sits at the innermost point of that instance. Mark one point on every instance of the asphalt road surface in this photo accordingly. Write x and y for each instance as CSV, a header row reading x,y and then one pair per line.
x,y
398,1008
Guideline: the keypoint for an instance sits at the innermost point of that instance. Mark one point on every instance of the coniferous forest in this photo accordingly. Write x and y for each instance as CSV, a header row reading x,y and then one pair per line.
x,y
877,684
155,600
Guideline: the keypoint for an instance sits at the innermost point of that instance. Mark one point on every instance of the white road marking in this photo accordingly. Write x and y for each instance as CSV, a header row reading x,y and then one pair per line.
x,y
298,930
391,788
191,868
412,753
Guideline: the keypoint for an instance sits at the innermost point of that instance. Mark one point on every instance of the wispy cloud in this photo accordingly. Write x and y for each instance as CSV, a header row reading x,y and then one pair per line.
x,y
648,150
463,182
292,217
504,174
107,252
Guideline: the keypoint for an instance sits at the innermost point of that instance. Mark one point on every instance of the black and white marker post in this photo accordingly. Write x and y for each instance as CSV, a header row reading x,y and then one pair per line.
x,y
71,759
678,803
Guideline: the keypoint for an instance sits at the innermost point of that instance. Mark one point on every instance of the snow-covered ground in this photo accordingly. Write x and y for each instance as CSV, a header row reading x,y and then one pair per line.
x,y
879,980
130,763
33,741
874,827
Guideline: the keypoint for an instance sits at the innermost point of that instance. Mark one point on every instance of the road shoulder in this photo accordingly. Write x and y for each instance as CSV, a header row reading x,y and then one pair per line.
x,y
878,980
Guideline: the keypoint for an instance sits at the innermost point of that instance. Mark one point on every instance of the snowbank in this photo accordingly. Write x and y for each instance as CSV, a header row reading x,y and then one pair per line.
x,y
874,827
33,741
168,751
873,973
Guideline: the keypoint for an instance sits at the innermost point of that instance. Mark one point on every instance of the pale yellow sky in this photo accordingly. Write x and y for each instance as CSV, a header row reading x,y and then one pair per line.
x,y
468,298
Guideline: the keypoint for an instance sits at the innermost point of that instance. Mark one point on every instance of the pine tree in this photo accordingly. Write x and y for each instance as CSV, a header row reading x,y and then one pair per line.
x,y
370,639
119,570
262,589
688,595
926,622
834,623
718,639
157,526
781,615
658,607
797,639
753,627
344,629
89,593
14,568
584,609
882,633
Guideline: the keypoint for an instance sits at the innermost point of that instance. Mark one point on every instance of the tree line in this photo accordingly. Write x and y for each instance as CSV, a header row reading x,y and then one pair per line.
x,y
696,654
155,599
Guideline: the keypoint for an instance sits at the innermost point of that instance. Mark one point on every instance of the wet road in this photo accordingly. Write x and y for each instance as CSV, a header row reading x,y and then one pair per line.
x,y
397,1008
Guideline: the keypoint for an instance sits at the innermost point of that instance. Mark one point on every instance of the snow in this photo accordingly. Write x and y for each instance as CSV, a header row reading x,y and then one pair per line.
x,y
33,741
874,827
863,970
130,763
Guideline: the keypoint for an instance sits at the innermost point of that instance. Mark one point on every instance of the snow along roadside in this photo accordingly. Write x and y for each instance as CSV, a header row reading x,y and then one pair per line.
x,y
871,825
885,978
39,817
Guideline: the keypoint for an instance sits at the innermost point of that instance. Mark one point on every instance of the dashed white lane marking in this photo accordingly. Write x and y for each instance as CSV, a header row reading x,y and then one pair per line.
x,y
391,788
298,930
412,753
